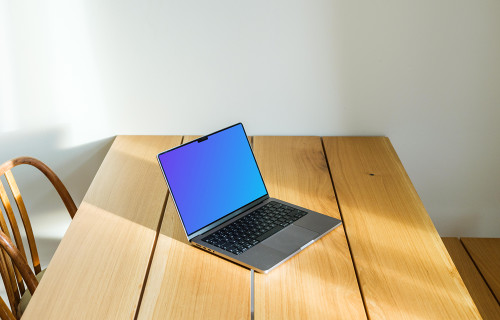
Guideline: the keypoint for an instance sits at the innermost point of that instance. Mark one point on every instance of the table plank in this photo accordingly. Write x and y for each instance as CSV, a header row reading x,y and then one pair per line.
x,y
320,282
479,291
486,254
403,267
187,283
99,268
129,182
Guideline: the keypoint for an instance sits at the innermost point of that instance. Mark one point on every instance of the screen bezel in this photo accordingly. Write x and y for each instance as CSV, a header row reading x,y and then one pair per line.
x,y
228,216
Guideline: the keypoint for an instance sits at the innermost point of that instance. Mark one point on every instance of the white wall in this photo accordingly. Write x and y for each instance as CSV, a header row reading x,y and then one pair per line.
x,y
424,73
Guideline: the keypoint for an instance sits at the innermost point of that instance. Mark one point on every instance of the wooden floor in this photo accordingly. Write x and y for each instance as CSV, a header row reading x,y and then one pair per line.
x,y
478,262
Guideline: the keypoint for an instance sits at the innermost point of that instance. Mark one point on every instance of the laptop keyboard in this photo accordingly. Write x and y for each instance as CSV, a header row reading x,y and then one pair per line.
x,y
254,227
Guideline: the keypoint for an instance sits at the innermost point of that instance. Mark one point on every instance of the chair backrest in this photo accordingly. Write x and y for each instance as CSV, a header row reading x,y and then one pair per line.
x,y
12,262
13,281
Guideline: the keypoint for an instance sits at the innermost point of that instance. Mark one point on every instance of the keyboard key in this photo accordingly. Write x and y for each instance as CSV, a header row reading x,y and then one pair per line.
x,y
254,227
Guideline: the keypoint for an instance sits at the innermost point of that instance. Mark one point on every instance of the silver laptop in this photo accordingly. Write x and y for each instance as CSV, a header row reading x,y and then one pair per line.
x,y
224,206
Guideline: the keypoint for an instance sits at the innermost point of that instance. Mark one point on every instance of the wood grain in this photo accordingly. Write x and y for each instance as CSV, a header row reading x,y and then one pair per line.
x,y
19,261
320,282
187,283
486,254
5,311
403,267
485,301
129,182
99,268
53,178
35,260
16,290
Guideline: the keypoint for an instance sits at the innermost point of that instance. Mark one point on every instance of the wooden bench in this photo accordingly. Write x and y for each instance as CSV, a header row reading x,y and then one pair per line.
x,y
478,262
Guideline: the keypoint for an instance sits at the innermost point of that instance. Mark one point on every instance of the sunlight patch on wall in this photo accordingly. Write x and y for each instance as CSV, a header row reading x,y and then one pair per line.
x,y
75,81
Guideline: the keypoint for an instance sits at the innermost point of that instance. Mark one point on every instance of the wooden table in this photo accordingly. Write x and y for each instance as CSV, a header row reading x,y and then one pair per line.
x,y
125,254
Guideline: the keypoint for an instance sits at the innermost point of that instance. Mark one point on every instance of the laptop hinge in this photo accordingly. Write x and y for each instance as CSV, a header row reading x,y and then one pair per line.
x,y
233,214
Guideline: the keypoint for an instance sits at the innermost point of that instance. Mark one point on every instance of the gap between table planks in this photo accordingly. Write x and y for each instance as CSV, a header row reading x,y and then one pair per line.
x,y
403,267
486,255
187,283
337,292
320,282
483,297
117,220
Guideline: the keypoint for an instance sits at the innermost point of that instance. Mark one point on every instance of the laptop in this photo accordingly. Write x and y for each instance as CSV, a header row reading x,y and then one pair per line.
x,y
225,208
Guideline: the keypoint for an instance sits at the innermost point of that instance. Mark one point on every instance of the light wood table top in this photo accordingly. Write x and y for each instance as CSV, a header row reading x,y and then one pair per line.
x,y
486,255
99,268
125,254
478,288
403,268
183,276
320,282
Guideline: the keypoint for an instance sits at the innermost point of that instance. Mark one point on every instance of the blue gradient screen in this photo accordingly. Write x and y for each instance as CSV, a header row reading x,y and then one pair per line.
x,y
209,179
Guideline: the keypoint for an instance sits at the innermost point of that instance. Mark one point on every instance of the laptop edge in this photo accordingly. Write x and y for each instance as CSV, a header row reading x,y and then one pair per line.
x,y
271,252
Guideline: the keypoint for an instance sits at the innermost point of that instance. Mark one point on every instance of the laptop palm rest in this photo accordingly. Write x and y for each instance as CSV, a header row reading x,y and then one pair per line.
x,y
290,239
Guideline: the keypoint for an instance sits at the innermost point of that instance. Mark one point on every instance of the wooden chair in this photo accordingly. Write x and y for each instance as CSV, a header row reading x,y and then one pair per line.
x,y
7,270
13,262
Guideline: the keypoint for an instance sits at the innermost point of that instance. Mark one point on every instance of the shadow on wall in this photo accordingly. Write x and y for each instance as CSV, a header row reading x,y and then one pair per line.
x,y
75,166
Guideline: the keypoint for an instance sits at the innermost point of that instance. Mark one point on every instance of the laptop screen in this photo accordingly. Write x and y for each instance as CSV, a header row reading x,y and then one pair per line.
x,y
212,177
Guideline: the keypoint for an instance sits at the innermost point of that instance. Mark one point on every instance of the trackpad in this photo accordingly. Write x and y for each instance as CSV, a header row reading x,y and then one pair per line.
x,y
290,239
